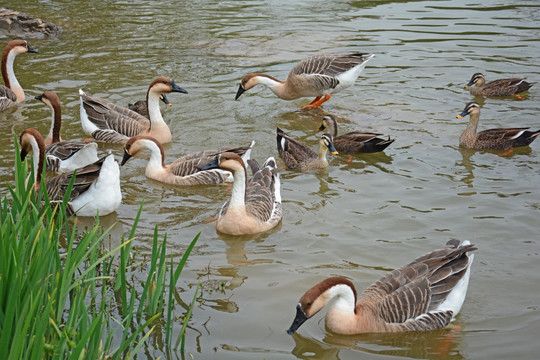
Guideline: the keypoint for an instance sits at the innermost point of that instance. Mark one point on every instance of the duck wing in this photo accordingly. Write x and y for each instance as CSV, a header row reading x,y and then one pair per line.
x,y
7,97
293,152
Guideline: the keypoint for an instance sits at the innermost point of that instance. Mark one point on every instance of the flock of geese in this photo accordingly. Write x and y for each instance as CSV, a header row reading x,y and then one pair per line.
x,y
425,294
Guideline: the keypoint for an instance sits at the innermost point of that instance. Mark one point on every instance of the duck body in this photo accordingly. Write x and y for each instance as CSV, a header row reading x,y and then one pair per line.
x,y
64,156
496,139
500,87
96,189
320,75
354,141
185,170
298,156
12,93
111,123
255,206
423,295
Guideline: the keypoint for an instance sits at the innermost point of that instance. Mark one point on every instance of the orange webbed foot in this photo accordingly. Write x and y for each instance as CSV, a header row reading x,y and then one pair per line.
x,y
506,153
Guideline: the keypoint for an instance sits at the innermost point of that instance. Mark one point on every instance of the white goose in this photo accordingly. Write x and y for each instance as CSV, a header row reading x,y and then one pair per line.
x,y
64,156
425,294
320,75
111,123
12,92
96,189
185,170
255,206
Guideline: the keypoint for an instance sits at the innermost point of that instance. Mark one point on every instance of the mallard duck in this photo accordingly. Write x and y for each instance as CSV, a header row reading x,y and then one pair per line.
x,y
64,156
96,188
141,106
498,139
319,75
500,87
12,92
425,294
111,123
298,156
185,170
255,206
354,141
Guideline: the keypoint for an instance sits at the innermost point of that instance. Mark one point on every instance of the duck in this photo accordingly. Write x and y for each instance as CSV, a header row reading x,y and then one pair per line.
x,y
354,141
299,156
496,139
424,295
254,206
12,92
64,156
111,123
500,87
96,187
141,106
320,76
185,170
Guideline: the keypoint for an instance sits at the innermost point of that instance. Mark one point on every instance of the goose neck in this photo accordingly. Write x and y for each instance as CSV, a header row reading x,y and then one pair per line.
x,y
154,113
8,74
238,194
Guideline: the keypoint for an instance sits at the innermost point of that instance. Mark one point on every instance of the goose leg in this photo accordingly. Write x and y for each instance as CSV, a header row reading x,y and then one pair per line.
x,y
317,102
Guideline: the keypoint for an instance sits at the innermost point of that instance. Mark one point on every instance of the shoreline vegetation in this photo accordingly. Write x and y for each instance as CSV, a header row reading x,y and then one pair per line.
x,y
77,300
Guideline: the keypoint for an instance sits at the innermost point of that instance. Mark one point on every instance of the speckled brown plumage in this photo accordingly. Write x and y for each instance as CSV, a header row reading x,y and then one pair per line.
x,y
299,156
500,87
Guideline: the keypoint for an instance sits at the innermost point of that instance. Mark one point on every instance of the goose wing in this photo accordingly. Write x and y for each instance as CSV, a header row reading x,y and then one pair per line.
x,y
7,97
260,197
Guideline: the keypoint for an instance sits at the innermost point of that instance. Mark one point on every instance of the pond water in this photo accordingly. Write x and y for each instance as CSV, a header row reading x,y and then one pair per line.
x,y
358,218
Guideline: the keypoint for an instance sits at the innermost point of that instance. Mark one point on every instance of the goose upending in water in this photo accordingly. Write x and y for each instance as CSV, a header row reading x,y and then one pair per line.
x,y
12,93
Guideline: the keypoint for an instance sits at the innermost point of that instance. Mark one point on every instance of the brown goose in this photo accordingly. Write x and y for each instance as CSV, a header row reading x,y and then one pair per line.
x,y
298,156
64,156
500,87
497,139
255,206
425,294
111,123
12,92
354,141
319,75
185,170
96,188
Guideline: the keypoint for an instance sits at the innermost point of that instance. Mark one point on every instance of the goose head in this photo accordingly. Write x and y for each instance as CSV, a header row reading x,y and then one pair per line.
x,y
477,79
470,109
225,161
139,143
248,81
50,99
326,141
165,85
19,47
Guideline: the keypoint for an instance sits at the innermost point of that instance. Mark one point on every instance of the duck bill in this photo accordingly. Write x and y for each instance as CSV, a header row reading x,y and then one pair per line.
x,y
214,164
176,88
332,149
126,157
165,100
321,128
239,92
299,319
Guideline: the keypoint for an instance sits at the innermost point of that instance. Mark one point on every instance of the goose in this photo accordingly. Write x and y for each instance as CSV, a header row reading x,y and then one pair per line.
x,y
64,156
425,294
354,141
500,87
96,188
255,206
497,139
319,75
12,92
185,170
141,106
111,123
298,156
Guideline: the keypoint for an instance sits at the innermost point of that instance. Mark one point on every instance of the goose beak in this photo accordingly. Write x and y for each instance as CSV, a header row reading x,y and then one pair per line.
x,y
30,49
23,154
39,97
239,92
299,319
176,88
214,164
125,158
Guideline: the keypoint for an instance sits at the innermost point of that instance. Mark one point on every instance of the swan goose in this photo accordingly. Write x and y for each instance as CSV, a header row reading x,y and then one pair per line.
x,y
354,141
111,123
64,156
255,206
96,188
12,92
185,170
425,294
298,156
319,75
500,87
497,139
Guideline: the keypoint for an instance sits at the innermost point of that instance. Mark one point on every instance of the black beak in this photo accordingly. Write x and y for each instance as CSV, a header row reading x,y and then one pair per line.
x,y
23,154
31,50
39,97
214,164
125,158
298,320
239,92
176,88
